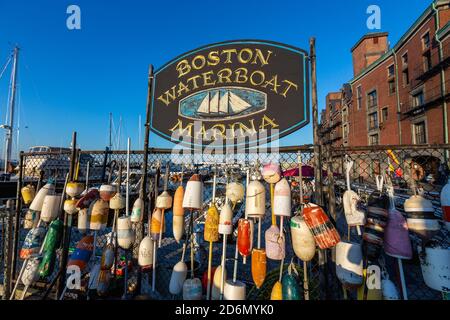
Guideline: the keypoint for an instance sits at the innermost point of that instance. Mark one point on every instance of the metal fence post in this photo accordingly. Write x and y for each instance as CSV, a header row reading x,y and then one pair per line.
x,y
7,271
17,217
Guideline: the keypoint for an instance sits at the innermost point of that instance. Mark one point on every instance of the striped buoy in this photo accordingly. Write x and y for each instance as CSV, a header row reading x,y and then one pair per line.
x,y
83,252
70,206
324,232
125,234
107,191
74,189
282,199
32,243
156,224
420,217
98,212
377,217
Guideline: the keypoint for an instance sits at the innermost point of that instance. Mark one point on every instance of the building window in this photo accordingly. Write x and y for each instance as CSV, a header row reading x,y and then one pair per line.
x,y
426,41
345,115
358,97
375,40
384,114
391,85
345,131
391,71
419,130
373,121
418,99
372,99
405,77
427,64
405,60
374,139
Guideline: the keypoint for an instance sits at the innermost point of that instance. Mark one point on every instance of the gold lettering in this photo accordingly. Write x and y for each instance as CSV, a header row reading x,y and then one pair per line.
x,y
290,84
201,133
182,88
228,53
259,55
244,129
221,75
273,82
241,73
207,79
249,55
213,58
202,61
218,129
266,121
261,74
194,81
183,68
168,96
179,127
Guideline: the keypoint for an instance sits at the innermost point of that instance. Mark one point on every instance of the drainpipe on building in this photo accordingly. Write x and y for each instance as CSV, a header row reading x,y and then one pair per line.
x,y
443,87
397,94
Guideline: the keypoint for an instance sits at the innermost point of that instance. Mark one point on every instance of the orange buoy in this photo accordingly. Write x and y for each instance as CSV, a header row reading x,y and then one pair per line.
x,y
259,266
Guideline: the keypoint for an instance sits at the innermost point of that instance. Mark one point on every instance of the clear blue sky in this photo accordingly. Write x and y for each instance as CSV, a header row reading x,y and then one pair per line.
x,y
71,80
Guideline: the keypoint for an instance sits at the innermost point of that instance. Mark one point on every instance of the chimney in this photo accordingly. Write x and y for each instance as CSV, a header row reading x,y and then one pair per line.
x,y
368,50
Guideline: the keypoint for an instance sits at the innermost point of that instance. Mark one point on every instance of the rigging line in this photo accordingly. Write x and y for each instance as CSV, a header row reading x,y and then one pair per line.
x,y
5,66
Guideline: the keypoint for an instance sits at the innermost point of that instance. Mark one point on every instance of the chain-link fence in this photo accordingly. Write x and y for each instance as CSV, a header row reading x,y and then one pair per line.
x,y
423,167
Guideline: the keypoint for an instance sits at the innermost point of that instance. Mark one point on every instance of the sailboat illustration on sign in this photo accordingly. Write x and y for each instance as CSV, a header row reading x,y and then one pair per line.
x,y
223,103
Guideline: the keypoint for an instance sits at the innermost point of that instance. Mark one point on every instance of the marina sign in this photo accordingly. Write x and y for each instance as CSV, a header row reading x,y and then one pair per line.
x,y
230,91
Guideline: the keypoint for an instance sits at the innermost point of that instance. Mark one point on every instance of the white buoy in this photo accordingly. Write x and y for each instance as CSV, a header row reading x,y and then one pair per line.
x,y
271,173
235,191
38,201
125,234
117,202
303,241
282,199
164,201
193,195
355,217
226,220
192,289
178,227
70,206
255,200
83,220
74,189
50,208
136,213
145,258
435,264
349,264
178,278
234,290
216,283
421,218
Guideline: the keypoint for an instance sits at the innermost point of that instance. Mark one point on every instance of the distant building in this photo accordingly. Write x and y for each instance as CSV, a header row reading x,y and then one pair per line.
x,y
398,95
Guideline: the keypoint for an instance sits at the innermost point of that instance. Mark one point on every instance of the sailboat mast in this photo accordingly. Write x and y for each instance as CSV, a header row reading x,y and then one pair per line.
x,y
12,102
110,131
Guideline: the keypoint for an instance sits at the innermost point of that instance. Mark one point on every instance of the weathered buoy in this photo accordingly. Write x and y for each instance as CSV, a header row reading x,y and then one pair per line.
x,y
234,290
259,266
211,231
145,258
50,208
435,265
32,243
98,213
38,201
235,191
303,241
282,199
192,289
31,219
156,224
193,195
217,280
377,216
396,236
107,191
226,220
349,264
275,243
319,224
255,200
421,219
290,289
117,202
70,206
354,216
30,274
136,213
85,201
164,201
445,204
83,252
178,278
107,260
277,291
74,189
83,219
271,173
28,193
104,279
245,237
125,234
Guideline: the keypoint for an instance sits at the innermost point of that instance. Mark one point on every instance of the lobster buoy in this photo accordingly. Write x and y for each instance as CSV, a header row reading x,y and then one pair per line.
x,y
156,224
255,200
349,264
138,208
234,290
421,219
388,289
107,260
353,214
217,280
193,195
83,252
85,201
30,274
164,201
226,220
99,211
235,191
104,278
178,227
303,241
377,217
145,258
178,278
125,234
396,236
275,243
28,193
51,242
32,243
83,218
259,266
192,289
31,219
107,191
74,189
435,265
211,231
445,204
178,209
277,291
290,289
282,199
271,173
117,202
70,206
38,200
245,237
319,224
50,208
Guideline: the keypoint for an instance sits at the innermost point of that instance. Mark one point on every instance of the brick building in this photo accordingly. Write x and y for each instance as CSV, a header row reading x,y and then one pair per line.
x,y
398,95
